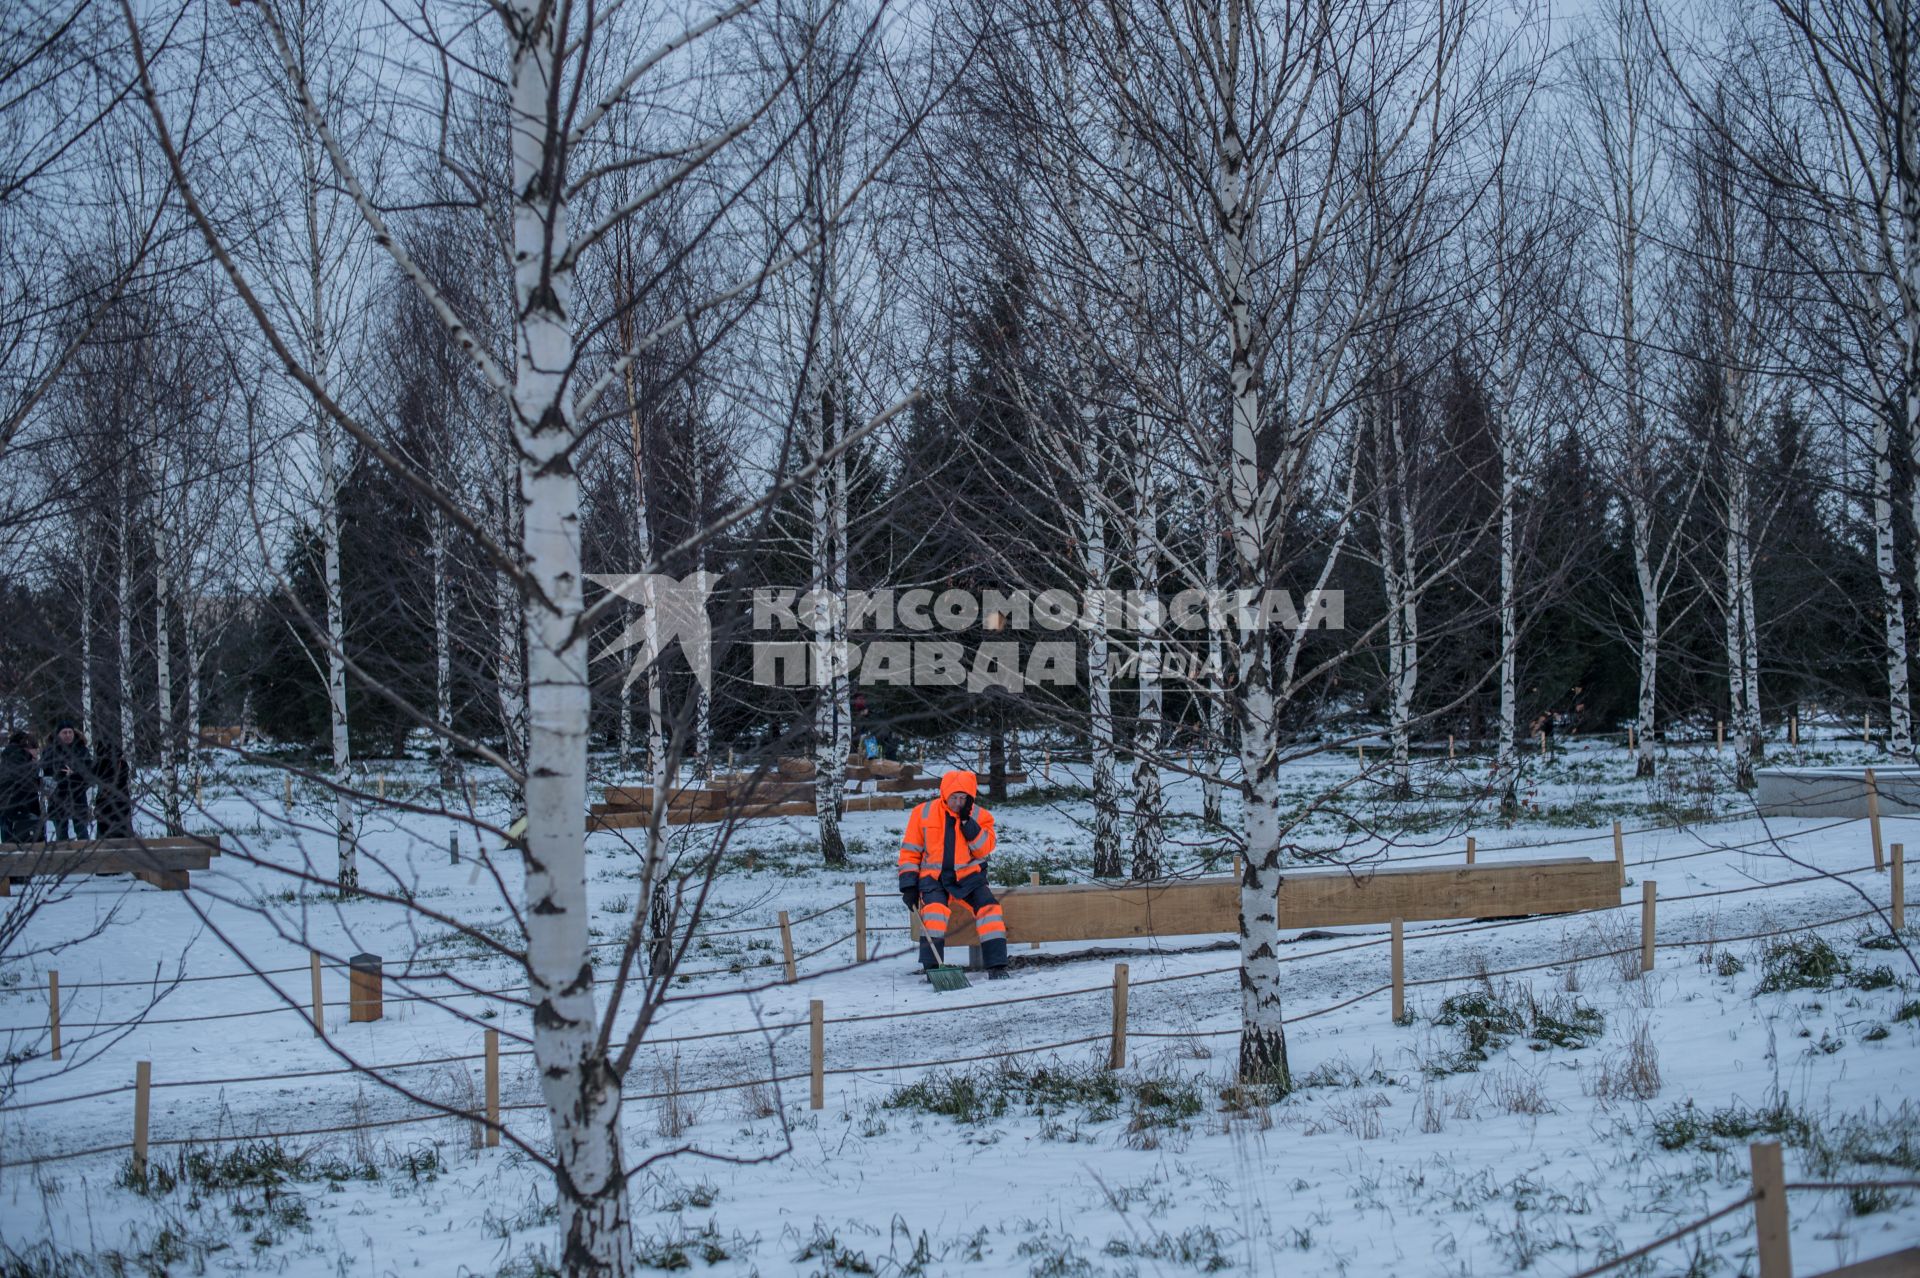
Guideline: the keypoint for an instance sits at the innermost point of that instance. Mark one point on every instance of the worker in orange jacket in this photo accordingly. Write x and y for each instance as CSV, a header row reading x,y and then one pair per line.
x,y
943,857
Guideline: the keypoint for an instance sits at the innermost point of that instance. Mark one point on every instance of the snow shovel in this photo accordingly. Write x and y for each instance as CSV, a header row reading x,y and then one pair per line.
x,y
945,978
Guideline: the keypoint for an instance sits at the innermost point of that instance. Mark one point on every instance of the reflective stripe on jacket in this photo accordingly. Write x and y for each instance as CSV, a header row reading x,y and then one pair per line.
x,y
936,840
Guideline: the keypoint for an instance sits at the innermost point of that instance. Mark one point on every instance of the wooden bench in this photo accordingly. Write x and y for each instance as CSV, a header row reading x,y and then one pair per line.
x,y
1307,898
163,861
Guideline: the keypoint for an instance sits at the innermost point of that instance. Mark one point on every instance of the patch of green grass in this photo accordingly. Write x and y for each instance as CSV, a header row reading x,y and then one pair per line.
x,y
1801,963
1085,1093
1035,796
1687,1126
1010,869
1489,1019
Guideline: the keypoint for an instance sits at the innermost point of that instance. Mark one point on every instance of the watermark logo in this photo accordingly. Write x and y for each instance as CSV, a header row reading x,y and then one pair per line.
x,y
670,609
677,610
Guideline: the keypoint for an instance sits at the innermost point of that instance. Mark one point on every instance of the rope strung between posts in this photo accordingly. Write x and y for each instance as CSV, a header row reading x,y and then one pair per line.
x,y
1664,1239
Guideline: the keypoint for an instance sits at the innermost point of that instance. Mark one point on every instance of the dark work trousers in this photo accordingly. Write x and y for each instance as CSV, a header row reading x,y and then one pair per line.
x,y
975,893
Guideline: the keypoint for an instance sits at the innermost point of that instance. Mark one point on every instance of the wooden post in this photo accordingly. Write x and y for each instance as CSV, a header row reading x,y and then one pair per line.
x,y
196,792
1360,749
1631,744
1449,745
1046,765
1873,819
453,847
1793,728
142,1086
53,991
817,1050
1543,741
1647,896
1866,730
493,1088
319,1015
786,947
1236,867
1719,734
1472,847
1033,880
1117,1052
1770,1210
1620,853
288,778
1899,914
381,787
364,993
1399,972
860,922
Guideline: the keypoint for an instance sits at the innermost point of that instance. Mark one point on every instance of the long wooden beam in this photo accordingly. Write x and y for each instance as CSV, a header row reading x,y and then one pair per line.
x,y
1306,898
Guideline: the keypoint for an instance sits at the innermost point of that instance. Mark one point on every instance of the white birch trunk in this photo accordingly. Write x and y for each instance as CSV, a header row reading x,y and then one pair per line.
x,y
190,642
1505,759
86,644
833,701
442,648
1149,830
1250,517
1216,692
123,630
1099,626
580,1088
163,673
1899,701
1649,645
1899,36
703,699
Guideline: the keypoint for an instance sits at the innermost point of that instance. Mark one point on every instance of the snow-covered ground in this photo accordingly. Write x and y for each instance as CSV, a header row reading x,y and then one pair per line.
x,y
1551,1119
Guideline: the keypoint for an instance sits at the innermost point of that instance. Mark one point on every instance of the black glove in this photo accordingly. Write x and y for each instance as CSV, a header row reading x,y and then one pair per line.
x,y
910,897
970,827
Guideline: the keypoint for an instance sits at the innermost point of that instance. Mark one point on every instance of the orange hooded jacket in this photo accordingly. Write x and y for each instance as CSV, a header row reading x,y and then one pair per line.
x,y
936,840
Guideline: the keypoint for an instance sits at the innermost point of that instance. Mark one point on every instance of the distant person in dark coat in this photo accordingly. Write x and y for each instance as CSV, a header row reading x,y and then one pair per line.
x,y
20,820
69,766
113,802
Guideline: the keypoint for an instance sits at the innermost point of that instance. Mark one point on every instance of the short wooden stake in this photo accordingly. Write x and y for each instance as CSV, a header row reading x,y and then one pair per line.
x,y
1866,729
1873,819
1046,766
289,788
1236,867
1719,734
1631,745
365,998
786,947
1770,1210
1543,741
1899,914
380,787
196,792
1033,880
319,1015
493,1088
1647,897
1793,729
1472,847
453,847
1360,751
53,994
1117,1053
1449,745
817,1051
860,922
142,1087
1399,972
1620,854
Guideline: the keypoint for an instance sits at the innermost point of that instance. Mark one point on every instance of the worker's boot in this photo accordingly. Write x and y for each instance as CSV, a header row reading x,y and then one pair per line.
x,y
997,974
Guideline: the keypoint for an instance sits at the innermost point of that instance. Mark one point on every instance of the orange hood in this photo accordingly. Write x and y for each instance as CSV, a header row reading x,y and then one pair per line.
x,y
959,781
